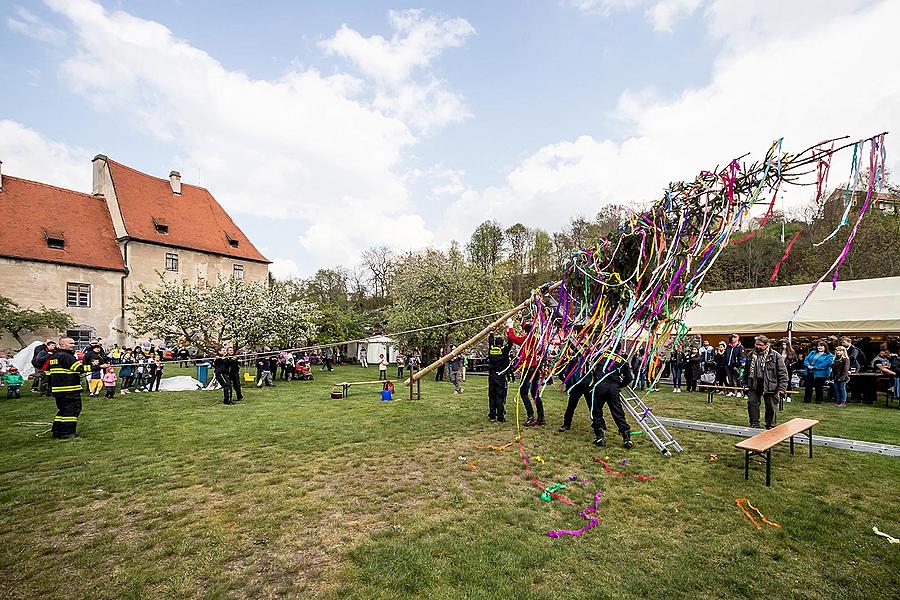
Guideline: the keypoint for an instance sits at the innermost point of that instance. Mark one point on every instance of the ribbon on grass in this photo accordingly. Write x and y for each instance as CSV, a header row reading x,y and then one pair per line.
x,y
890,538
615,473
589,513
490,447
740,503
553,487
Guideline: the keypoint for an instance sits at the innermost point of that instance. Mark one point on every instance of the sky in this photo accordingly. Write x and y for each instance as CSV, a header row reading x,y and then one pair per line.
x,y
325,128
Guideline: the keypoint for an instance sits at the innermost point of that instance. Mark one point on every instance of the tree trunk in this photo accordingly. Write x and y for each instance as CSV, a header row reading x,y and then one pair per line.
x,y
18,338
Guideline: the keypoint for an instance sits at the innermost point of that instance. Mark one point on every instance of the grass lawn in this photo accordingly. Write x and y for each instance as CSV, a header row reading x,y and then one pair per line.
x,y
293,494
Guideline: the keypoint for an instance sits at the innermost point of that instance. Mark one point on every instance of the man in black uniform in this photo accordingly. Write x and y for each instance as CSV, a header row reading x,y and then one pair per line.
x,y
579,381
222,370
234,374
65,384
41,382
612,372
498,365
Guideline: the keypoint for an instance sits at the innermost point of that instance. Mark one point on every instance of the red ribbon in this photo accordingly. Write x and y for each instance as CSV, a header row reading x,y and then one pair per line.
x,y
783,258
617,474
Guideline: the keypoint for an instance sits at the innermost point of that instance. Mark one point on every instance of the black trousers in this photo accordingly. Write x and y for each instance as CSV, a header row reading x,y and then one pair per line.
x,y
110,391
691,380
157,377
497,387
235,379
608,393
531,382
68,407
399,372
439,375
814,383
576,391
225,382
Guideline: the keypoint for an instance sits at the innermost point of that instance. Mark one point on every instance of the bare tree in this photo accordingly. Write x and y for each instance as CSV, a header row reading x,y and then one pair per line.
x,y
377,260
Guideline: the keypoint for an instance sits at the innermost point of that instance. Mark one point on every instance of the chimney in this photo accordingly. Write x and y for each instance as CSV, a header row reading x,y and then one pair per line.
x,y
175,182
97,166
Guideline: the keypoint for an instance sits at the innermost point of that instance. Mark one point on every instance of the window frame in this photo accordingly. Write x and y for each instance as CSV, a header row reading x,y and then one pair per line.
x,y
173,258
238,268
78,291
78,335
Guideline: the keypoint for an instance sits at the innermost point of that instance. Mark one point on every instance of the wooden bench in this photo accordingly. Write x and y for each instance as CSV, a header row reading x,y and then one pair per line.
x,y
762,443
345,385
712,389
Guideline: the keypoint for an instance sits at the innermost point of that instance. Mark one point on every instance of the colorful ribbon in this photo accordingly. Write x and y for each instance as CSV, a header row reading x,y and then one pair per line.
x,y
740,503
615,473
589,513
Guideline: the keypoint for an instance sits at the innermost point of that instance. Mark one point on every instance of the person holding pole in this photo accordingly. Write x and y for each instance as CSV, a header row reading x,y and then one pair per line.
x,y
498,365
531,378
612,373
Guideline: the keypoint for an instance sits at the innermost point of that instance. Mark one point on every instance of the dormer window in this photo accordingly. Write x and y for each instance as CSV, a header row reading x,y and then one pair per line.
x,y
55,239
231,241
160,225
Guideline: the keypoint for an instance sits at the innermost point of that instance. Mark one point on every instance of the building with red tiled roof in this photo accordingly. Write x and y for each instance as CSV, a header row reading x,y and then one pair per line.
x,y
87,254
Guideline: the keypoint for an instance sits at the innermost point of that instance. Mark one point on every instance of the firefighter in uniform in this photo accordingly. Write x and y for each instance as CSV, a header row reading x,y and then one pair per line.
x,y
234,374
222,370
65,372
498,365
611,373
579,381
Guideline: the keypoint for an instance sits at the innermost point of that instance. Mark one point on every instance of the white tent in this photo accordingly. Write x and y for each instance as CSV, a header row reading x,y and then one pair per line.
x,y
22,359
861,306
375,345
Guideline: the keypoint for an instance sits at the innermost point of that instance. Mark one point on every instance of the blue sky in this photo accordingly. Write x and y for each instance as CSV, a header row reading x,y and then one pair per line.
x,y
328,127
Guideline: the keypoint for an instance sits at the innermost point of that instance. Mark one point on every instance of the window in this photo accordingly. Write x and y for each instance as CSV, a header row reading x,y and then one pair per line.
x,y
55,239
238,271
232,241
160,225
78,295
82,337
171,262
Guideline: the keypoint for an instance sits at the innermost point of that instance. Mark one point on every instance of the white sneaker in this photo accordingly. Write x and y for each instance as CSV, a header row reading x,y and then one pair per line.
x,y
730,394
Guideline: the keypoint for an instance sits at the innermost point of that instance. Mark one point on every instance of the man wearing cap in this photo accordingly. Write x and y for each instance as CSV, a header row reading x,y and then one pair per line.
x,y
765,377
65,372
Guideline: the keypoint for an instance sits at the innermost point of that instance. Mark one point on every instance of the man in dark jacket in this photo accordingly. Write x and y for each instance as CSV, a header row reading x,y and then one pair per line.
x,y
498,364
234,374
39,360
65,384
222,370
764,377
611,373
857,361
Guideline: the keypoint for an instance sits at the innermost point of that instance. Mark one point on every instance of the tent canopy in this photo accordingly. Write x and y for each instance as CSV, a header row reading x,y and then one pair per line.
x,y
861,306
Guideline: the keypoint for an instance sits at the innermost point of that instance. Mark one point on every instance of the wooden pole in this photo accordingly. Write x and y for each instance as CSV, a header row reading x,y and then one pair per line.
x,y
474,340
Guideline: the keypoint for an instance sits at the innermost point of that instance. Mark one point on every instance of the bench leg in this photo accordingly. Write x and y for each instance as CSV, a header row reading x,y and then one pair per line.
x,y
709,396
809,433
746,464
792,445
768,467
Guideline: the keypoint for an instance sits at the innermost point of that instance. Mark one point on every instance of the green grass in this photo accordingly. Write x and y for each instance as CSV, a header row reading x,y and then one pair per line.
x,y
293,494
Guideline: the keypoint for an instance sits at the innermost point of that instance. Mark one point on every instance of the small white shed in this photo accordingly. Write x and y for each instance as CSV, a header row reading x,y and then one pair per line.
x,y
373,346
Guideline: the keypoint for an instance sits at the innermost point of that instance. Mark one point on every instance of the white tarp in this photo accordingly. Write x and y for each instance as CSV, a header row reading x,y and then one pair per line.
x,y
861,306
22,359
179,383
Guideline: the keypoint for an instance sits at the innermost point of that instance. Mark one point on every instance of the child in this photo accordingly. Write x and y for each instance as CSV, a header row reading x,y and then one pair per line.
x,y
109,382
382,367
13,380
95,385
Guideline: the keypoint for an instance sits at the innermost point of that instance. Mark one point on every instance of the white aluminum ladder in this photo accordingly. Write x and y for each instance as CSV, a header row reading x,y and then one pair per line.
x,y
655,430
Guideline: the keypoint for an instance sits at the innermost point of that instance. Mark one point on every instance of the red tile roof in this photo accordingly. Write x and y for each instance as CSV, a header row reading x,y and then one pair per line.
x,y
34,211
194,219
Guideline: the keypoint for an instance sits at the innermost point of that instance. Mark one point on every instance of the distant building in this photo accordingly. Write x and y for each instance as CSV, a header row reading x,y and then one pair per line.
x,y
885,202
87,253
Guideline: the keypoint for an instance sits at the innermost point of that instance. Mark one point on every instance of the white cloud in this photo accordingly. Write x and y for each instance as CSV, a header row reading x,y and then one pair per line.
x,y
27,23
305,147
284,268
26,154
663,14
393,64
805,86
